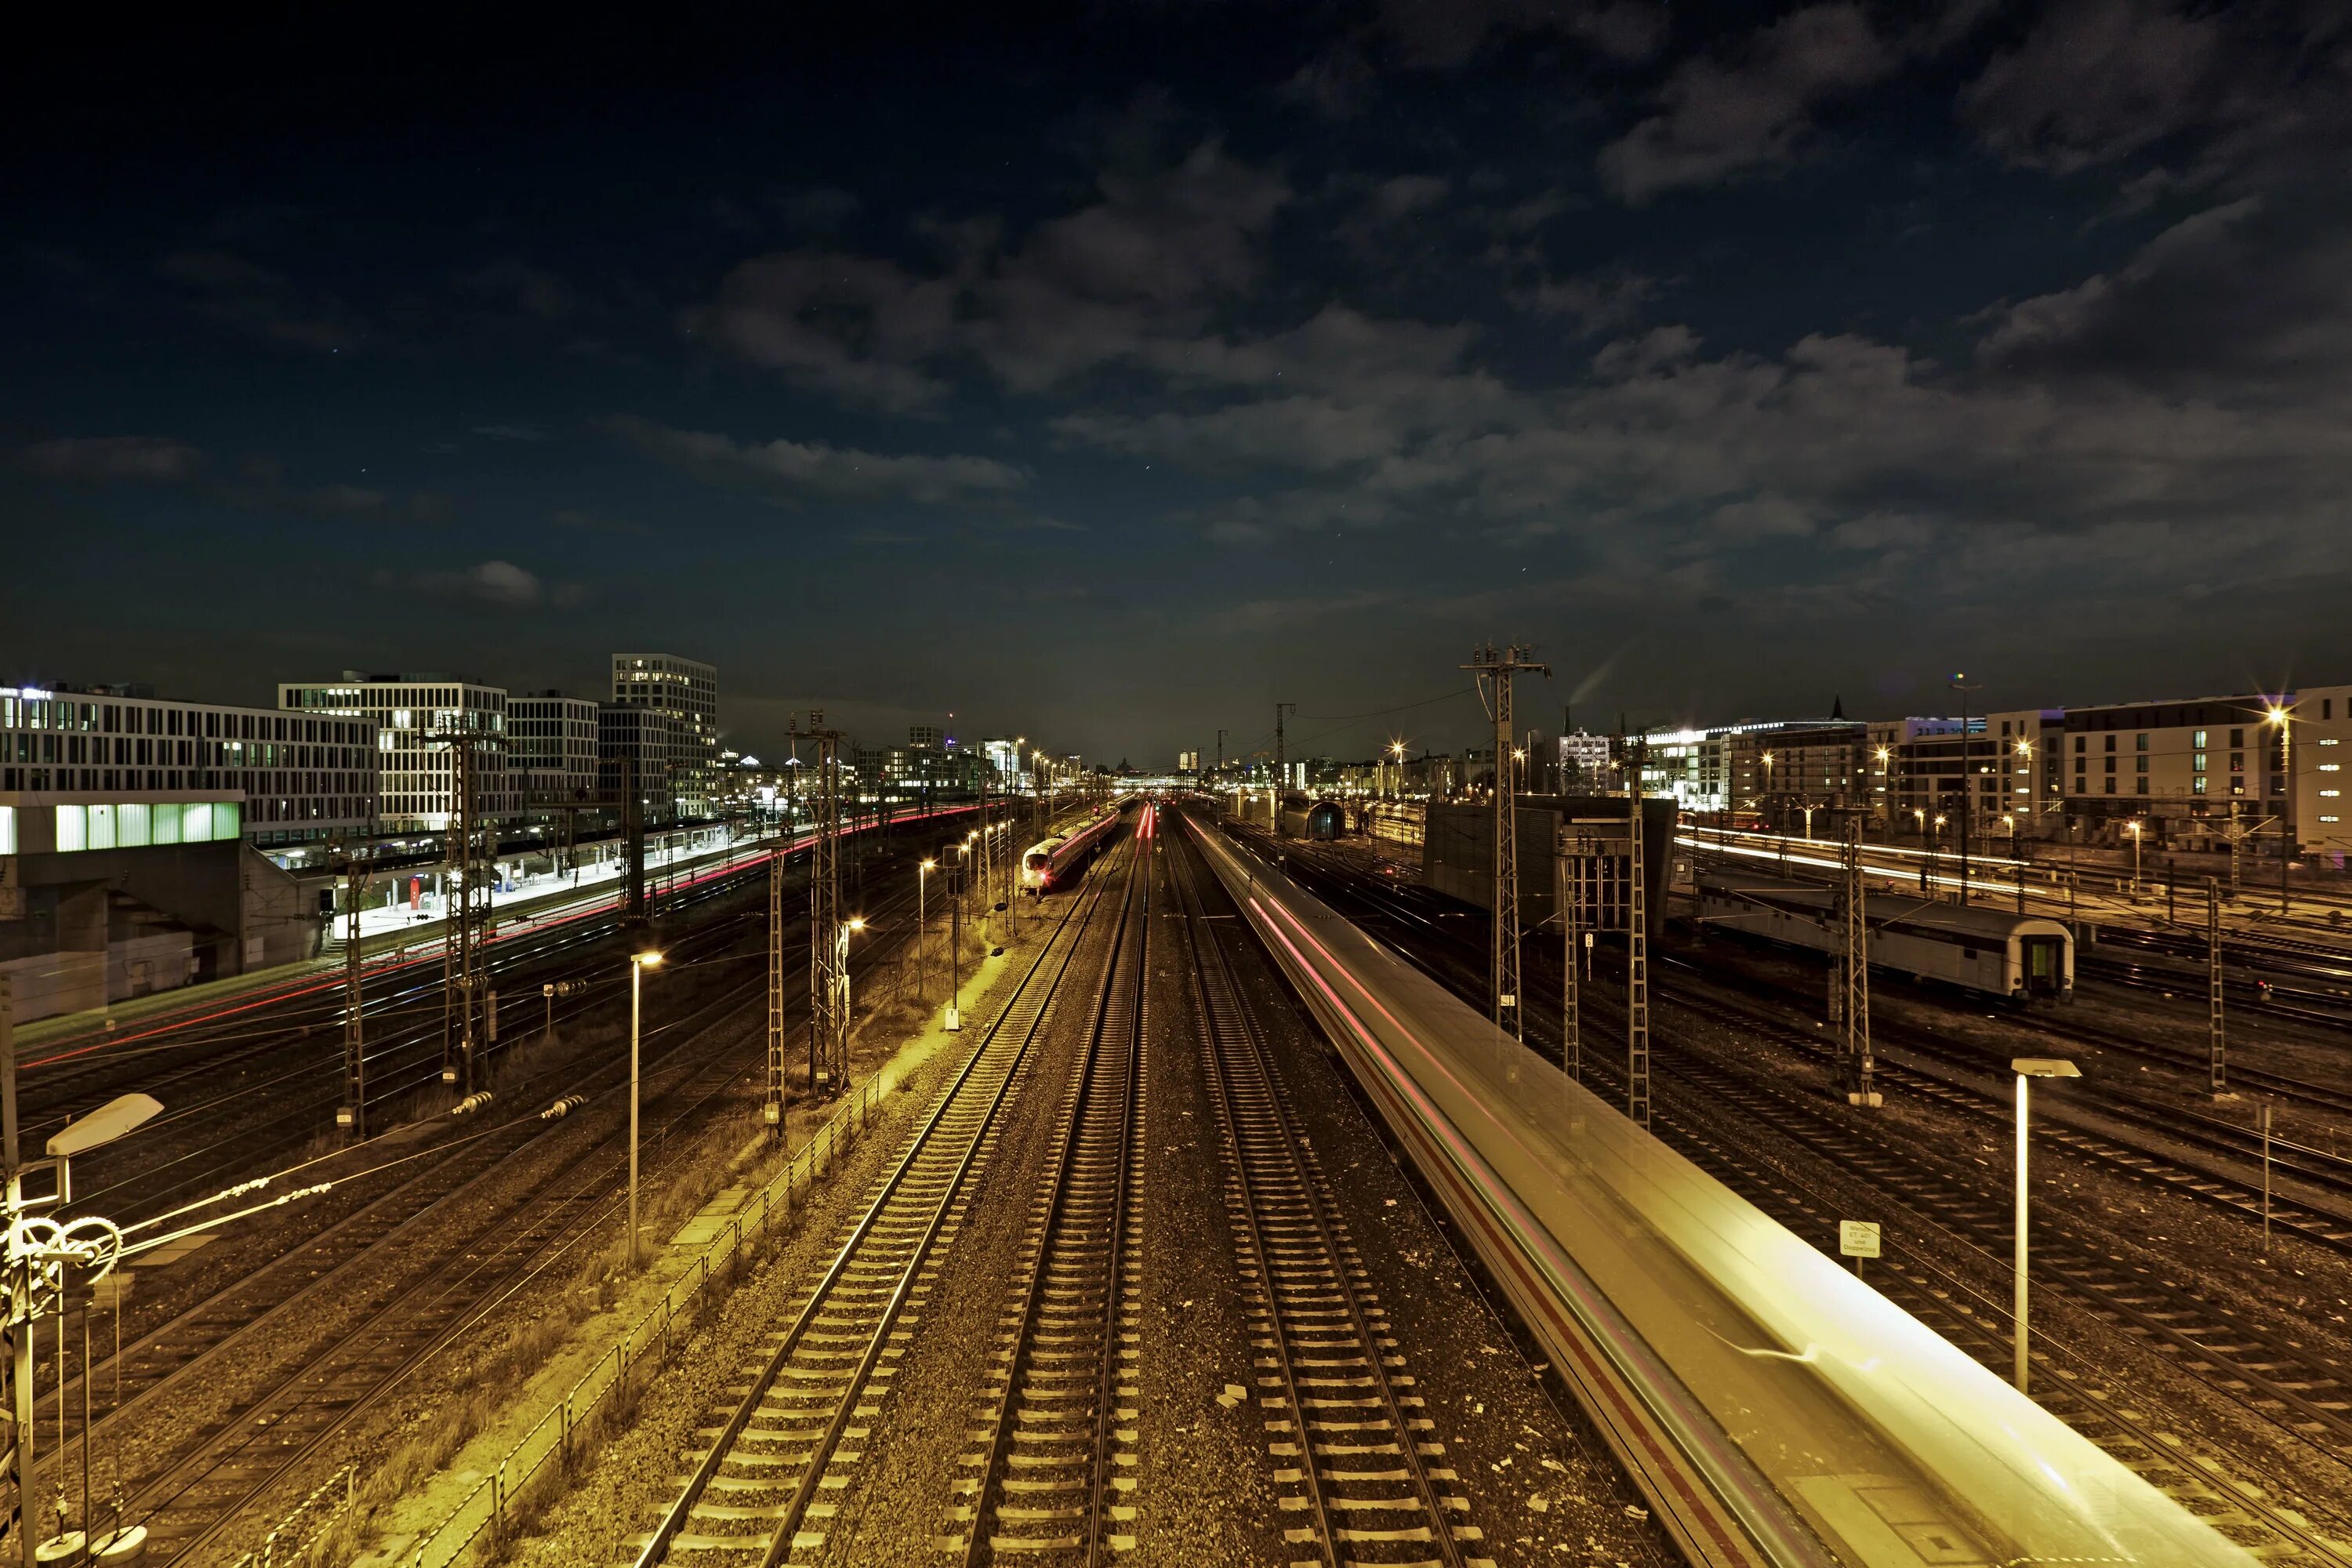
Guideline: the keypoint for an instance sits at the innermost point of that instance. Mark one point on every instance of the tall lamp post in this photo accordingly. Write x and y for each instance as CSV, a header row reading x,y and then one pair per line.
x,y
1886,786
922,923
2028,1068
638,964
2281,715
2132,827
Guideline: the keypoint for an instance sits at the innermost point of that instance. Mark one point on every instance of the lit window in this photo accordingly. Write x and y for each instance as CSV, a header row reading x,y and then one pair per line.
x,y
2331,793
73,828
7,829
2331,767
102,828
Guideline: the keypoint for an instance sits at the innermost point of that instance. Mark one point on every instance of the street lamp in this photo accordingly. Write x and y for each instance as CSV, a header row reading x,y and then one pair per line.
x,y
2280,716
638,964
1768,789
922,928
2028,1068
2132,827
39,1252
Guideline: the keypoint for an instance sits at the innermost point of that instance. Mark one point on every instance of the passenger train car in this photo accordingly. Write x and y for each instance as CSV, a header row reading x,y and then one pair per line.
x,y
2020,957
1049,862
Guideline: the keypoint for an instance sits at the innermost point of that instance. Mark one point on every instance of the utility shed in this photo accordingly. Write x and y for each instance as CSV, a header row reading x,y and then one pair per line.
x,y
1457,855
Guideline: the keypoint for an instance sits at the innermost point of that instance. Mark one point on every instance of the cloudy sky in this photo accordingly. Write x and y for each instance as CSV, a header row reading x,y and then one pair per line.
x,y
1107,373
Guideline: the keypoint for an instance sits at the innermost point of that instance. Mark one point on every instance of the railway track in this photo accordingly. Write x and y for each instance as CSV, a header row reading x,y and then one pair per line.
x,y
440,1284
1356,1458
2305,1394
1049,1476
756,1492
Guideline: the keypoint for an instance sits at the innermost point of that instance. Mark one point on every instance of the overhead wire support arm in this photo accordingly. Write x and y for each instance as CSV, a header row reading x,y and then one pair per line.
x,y
1492,666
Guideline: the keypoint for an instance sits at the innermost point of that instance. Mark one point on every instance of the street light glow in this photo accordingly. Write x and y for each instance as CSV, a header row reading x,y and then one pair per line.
x,y
649,959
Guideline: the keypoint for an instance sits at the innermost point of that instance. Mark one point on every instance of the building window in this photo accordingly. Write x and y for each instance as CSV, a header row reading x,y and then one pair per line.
x,y
2237,737
2111,788
2197,785
2111,742
7,829
2111,766
2140,742
2142,786
2139,764
2328,794
2237,762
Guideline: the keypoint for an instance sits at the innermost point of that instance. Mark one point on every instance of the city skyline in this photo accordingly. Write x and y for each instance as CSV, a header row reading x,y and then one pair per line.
x,y
1230,359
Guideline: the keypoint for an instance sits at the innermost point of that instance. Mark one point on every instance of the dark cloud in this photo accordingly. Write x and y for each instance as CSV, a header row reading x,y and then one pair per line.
x,y
501,583
533,290
102,460
1721,118
1445,35
805,472
2249,301
1139,267
241,294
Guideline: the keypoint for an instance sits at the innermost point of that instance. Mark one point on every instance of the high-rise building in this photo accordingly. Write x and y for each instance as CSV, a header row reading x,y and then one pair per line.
x,y
1188,762
685,691
637,736
924,735
551,741
415,718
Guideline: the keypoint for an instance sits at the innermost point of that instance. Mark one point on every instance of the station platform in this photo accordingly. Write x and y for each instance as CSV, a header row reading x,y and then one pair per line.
x,y
1773,1408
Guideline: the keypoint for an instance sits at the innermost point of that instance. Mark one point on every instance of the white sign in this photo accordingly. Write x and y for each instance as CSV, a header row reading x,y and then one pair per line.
x,y
1858,1237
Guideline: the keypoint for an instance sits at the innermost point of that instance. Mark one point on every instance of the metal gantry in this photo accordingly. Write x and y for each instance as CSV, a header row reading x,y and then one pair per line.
x,y
461,956
771,1107
1637,954
828,961
2217,1031
351,1117
1495,667
1860,1088
1569,900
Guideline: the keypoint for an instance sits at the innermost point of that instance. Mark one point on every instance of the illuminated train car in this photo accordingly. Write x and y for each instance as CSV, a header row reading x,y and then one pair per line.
x,y
2020,957
1773,1409
1050,862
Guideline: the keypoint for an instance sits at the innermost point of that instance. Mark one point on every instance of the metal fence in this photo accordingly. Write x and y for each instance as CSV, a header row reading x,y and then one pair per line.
x,y
650,1340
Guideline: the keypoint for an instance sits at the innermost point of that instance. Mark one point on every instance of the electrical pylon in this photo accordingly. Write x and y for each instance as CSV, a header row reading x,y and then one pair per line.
x,y
1860,1068
1637,953
828,968
351,1116
1497,668
2217,1032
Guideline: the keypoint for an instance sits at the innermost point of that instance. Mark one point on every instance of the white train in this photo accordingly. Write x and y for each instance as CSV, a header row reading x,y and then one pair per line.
x,y
2017,957
1050,862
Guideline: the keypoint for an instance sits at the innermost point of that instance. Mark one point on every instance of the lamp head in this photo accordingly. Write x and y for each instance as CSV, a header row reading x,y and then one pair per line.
x,y
649,959
2043,1066
858,922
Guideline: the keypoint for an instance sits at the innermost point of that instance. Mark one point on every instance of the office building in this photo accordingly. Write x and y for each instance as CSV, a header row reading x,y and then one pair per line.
x,y
634,749
685,691
296,779
551,741
418,720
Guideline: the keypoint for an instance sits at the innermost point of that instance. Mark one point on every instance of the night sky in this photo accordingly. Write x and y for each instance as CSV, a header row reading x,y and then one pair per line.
x,y
1106,374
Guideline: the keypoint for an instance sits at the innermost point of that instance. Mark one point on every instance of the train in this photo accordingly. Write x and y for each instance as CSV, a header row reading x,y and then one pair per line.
x,y
1050,862
2020,958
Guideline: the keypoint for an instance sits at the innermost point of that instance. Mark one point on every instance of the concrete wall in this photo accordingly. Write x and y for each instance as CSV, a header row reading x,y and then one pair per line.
x,y
1457,849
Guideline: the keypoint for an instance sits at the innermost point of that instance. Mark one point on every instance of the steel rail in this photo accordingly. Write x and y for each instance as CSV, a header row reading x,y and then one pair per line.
x,y
990,1492
779,1544
1217,995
